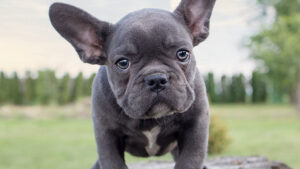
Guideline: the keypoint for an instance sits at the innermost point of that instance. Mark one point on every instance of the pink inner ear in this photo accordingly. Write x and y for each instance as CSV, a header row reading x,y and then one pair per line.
x,y
198,29
88,41
194,12
195,30
197,12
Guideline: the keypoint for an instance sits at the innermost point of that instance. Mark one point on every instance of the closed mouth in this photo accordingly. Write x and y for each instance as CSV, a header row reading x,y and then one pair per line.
x,y
158,110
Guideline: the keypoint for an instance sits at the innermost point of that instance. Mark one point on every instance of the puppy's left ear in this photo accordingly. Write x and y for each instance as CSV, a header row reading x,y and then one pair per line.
x,y
86,33
196,15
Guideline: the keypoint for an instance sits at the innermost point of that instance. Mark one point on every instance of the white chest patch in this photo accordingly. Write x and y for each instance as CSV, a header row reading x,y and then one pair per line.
x,y
152,148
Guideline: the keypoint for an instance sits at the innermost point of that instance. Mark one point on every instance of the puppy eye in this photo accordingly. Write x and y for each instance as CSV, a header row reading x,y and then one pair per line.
x,y
183,55
123,63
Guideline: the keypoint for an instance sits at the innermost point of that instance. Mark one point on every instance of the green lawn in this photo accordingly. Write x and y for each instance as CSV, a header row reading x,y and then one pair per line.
x,y
68,143
271,131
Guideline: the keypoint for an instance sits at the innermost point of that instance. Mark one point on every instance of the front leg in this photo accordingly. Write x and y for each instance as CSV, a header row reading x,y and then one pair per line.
x,y
192,143
110,150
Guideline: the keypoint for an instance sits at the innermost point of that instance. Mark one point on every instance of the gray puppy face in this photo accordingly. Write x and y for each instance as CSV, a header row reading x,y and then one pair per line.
x,y
148,53
149,40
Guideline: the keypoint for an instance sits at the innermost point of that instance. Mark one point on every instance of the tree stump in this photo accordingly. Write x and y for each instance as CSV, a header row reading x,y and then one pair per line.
x,y
219,163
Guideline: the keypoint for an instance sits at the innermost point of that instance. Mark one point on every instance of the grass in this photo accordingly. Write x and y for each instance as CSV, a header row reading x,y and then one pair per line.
x,y
267,130
68,143
35,144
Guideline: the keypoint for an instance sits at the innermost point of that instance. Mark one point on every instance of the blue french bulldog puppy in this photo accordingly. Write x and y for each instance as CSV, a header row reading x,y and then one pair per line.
x,y
148,98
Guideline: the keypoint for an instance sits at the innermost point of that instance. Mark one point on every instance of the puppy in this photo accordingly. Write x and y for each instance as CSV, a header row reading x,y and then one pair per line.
x,y
148,98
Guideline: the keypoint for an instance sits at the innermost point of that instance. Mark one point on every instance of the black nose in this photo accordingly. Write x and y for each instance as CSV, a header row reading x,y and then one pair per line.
x,y
156,82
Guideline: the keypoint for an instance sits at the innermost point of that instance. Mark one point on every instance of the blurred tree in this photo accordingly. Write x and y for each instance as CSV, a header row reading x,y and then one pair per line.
x,y
225,90
16,91
64,89
238,89
210,87
282,7
77,87
88,85
90,81
46,86
277,47
259,87
29,89
241,88
3,88
232,88
85,87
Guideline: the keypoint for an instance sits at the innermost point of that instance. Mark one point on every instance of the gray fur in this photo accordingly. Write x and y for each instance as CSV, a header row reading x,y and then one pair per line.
x,y
127,115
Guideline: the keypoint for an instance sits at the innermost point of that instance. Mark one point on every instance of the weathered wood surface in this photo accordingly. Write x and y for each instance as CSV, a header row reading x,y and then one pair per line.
x,y
219,163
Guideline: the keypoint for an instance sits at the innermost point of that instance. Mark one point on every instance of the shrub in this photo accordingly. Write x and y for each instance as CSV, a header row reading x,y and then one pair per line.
x,y
218,136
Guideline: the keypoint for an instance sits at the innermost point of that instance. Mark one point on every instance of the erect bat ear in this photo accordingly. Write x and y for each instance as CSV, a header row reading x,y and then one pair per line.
x,y
86,33
196,15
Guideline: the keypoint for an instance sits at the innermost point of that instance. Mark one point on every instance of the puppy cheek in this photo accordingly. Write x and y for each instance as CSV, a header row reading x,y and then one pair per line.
x,y
184,93
136,101
189,99
189,89
185,100
190,71
120,85
117,84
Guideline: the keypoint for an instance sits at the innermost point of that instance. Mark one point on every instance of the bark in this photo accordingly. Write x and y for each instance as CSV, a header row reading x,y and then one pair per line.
x,y
220,163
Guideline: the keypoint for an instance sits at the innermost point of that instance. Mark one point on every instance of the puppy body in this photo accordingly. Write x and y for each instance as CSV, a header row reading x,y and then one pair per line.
x,y
148,98
109,117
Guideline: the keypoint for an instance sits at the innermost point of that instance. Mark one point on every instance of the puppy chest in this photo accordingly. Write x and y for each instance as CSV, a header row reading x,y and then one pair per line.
x,y
152,146
152,142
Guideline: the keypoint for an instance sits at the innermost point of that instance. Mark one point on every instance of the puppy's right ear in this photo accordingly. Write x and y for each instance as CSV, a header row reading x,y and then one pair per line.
x,y
196,15
86,33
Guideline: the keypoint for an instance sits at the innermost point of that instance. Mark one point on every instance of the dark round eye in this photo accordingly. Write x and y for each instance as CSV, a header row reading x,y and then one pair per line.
x,y
183,55
123,63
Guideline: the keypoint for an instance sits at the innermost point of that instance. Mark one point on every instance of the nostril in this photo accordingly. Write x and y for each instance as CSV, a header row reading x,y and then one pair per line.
x,y
151,82
163,81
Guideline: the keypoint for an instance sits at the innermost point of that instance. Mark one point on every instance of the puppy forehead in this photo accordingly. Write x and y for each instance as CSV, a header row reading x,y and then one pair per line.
x,y
150,25
145,19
